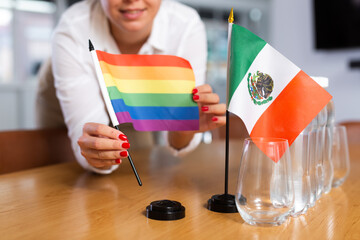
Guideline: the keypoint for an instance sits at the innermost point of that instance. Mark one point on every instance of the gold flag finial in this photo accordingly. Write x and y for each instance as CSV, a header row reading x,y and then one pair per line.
x,y
231,16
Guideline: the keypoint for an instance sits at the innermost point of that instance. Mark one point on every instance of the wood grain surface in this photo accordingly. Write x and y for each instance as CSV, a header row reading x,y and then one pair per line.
x,y
65,202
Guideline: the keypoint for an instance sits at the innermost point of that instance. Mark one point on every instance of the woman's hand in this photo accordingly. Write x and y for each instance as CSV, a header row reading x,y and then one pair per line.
x,y
103,146
211,116
212,113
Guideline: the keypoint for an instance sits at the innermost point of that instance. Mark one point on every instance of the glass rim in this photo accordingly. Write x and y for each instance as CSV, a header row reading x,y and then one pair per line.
x,y
339,126
266,139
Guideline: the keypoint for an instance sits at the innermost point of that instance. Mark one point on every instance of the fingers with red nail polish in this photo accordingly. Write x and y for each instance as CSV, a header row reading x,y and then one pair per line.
x,y
196,97
219,120
103,146
123,137
212,112
123,153
204,108
125,145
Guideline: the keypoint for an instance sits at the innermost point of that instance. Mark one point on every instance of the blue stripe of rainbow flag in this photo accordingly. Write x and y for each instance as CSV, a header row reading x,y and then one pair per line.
x,y
154,113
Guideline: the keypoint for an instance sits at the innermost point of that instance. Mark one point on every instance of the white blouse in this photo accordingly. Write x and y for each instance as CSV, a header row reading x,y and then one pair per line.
x,y
177,30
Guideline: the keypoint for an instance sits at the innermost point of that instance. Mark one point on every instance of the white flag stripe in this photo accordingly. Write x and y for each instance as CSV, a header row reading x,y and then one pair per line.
x,y
280,69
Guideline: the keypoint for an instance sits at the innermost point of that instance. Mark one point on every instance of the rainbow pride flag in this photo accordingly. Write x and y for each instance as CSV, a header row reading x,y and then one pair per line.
x,y
153,92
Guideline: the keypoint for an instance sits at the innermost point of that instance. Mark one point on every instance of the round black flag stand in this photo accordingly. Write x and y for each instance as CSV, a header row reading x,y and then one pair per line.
x,y
224,203
165,210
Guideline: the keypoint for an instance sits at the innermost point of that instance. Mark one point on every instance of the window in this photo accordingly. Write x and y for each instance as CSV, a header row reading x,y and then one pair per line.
x,y
25,31
6,54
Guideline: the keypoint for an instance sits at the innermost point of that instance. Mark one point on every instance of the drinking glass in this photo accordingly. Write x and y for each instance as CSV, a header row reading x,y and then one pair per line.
x,y
265,182
320,151
319,145
327,160
312,175
340,155
299,162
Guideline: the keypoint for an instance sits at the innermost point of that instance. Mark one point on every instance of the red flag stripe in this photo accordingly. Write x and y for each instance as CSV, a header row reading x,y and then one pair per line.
x,y
142,60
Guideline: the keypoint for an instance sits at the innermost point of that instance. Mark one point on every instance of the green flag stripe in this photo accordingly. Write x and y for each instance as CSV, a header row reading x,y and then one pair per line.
x,y
153,99
244,48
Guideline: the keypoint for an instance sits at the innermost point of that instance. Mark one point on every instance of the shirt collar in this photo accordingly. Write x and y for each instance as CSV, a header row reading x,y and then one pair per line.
x,y
157,38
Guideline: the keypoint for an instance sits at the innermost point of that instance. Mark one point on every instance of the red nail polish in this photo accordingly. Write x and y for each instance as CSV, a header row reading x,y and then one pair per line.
x,y
196,97
118,161
195,91
125,145
123,153
204,108
122,137
214,119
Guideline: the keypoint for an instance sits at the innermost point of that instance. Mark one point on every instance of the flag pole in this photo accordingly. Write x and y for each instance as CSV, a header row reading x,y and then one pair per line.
x,y
225,203
227,153
230,21
107,101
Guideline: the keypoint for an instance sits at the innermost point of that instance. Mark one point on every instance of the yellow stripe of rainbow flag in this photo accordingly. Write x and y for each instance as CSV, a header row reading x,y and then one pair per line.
x,y
148,86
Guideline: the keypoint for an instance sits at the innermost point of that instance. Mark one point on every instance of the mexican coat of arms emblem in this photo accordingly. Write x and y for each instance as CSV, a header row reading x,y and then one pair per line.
x,y
260,86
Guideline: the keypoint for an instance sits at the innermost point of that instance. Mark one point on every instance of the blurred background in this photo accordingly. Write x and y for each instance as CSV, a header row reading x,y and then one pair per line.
x,y
322,37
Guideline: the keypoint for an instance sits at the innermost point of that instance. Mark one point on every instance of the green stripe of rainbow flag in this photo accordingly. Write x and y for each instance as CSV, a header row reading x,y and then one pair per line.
x,y
152,99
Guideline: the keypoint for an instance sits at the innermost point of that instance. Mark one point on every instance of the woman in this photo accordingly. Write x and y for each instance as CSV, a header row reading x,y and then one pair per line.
x,y
127,27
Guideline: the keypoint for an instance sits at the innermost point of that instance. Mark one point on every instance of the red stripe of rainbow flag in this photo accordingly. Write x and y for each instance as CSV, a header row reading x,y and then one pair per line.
x,y
153,92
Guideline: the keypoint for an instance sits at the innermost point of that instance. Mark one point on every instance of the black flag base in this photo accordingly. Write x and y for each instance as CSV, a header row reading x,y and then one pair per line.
x,y
224,203
166,210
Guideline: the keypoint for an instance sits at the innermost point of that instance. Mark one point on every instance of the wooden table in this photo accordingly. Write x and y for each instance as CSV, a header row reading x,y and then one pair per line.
x,y
64,202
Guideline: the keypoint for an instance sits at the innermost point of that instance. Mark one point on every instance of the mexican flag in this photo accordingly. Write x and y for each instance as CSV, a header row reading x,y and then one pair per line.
x,y
272,96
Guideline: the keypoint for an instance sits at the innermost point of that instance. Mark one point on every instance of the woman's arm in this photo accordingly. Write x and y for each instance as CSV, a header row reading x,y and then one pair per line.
x,y
95,144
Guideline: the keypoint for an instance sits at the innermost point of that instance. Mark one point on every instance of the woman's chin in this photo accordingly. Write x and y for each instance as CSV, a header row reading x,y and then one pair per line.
x,y
133,27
